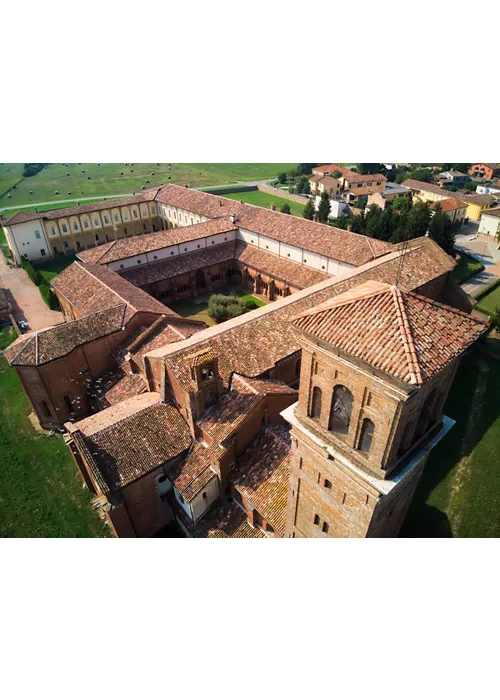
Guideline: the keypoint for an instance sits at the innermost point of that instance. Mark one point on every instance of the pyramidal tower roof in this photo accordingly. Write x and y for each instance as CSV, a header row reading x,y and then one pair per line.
x,y
404,334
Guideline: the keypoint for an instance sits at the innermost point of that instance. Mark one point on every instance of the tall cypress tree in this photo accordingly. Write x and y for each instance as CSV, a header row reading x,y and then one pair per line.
x,y
308,212
324,207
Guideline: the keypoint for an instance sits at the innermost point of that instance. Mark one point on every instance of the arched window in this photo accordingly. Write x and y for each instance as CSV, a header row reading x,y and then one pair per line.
x,y
68,403
365,439
316,402
340,411
46,410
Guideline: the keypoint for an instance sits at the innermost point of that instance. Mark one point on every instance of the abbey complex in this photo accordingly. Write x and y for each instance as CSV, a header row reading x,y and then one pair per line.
x,y
312,416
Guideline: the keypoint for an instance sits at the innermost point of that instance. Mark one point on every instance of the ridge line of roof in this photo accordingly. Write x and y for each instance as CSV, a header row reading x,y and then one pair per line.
x,y
406,335
124,418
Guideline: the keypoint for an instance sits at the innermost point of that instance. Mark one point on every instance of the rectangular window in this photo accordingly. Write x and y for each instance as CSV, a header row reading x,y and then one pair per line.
x,y
75,226
42,251
169,213
175,215
53,231
64,228
192,221
117,218
325,527
65,244
96,222
134,214
316,519
106,220
97,236
328,484
86,224
37,234
185,218
204,495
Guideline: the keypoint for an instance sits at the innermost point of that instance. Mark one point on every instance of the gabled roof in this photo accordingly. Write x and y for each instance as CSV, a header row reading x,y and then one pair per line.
x,y
263,473
403,334
131,439
149,242
52,343
450,204
91,288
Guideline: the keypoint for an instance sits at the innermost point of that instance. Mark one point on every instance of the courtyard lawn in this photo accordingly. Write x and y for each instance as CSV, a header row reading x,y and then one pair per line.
x,y
467,266
197,310
459,494
490,301
264,199
54,266
41,492
107,179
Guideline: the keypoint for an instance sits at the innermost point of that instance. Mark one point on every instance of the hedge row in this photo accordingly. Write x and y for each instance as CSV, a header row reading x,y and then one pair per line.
x,y
49,297
488,289
33,274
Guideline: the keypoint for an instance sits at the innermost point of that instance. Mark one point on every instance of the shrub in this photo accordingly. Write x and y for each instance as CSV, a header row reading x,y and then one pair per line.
x,y
49,296
221,308
250,304
495,319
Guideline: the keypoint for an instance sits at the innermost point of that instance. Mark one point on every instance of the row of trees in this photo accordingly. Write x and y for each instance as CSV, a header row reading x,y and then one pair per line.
x,y
403,220
31,169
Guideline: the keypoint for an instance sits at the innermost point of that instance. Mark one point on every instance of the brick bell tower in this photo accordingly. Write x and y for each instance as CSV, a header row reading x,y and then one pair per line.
x,y
377,366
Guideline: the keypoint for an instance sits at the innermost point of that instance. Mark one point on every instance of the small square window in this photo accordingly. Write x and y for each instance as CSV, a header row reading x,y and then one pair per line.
x,y
37,234
42,252
316,519
204,495
328,484
325,527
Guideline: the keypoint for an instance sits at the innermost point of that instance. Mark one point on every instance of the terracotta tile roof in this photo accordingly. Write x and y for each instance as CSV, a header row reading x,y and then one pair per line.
x,y
408,336
234,341
425,187
193,472
161,335
231,410
129,440
280,268
91,288
351,248
149,242
127,387
478,198
450,204
223,520
52,343
345,246
263,473
349,175
180,264
492,212
23,216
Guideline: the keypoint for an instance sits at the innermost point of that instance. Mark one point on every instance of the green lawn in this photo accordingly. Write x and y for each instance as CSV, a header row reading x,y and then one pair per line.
x,y
459,494
4,247
198,310
7,336
54,266
107,179
264,199
466,267
490,301
41,492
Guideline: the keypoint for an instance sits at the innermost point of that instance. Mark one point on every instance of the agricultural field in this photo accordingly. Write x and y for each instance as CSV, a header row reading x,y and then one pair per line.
x,y
459,495
264,199
110,179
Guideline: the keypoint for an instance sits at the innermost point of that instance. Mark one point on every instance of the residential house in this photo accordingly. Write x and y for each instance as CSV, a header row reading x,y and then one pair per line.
x,y
486,171
452,178
454,209
490,222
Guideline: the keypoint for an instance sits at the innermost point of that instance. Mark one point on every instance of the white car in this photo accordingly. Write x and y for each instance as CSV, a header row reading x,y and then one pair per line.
x,y
472,238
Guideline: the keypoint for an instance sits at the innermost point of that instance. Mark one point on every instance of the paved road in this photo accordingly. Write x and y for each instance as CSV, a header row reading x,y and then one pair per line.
x,y
25,298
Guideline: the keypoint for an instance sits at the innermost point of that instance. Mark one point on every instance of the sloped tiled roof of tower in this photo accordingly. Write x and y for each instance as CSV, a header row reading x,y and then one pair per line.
x,y
401,333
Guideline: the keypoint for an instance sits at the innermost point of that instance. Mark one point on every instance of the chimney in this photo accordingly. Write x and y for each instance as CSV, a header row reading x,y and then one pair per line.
x,y
349,227
233,218
315,217
221,203
186,186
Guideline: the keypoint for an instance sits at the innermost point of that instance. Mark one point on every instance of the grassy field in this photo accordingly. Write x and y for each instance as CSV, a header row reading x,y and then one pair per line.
x,y
264,199
459,494
490,301
49,207
92,179
54,266
466,267
198,310
41,492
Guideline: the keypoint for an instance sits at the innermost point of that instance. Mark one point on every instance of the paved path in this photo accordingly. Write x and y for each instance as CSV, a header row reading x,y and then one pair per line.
x,y
27,303
484,249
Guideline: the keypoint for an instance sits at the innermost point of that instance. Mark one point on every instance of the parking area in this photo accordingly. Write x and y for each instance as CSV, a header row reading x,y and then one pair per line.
x,y
27,304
